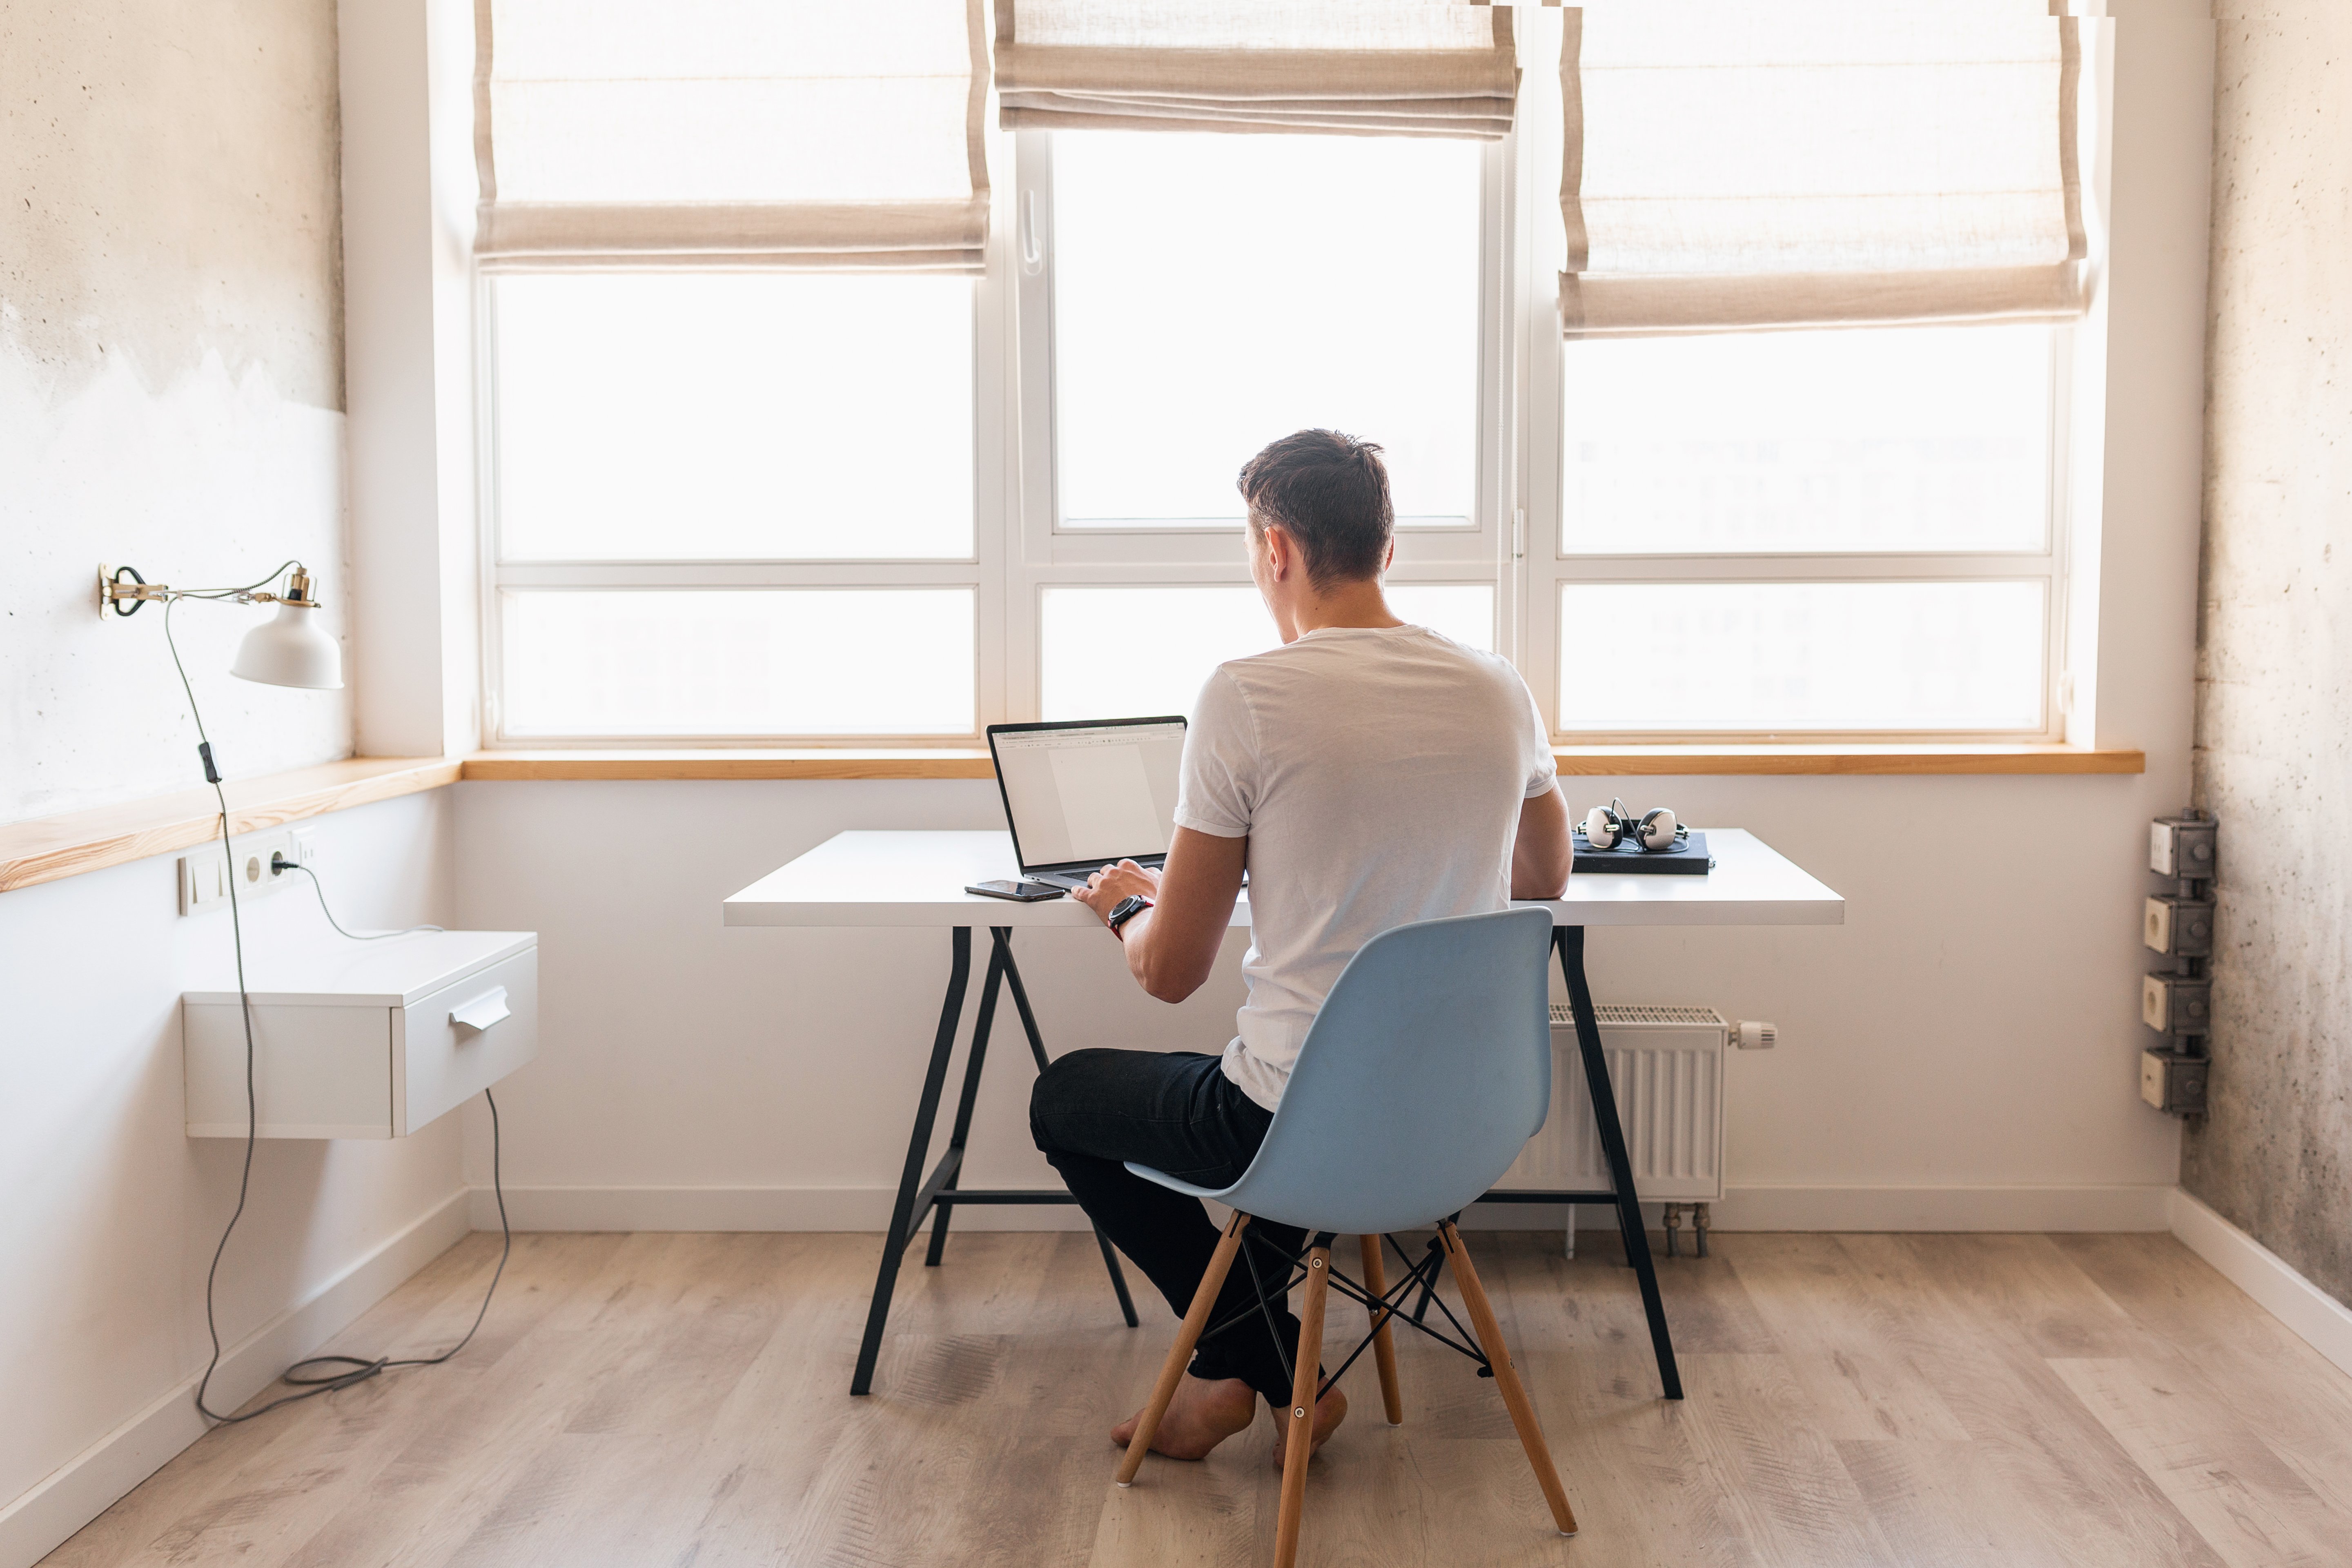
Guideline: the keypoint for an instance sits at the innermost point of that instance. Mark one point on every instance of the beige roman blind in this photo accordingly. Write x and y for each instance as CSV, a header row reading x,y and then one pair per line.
x,y
1357,66
1731,166
734,133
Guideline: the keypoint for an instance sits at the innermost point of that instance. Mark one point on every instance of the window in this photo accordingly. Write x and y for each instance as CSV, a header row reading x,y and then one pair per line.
x,y
1784,535
1211,291
737,507
1203,294
733,505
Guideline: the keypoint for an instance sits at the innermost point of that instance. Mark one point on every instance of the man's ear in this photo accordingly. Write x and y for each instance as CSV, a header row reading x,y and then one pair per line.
x,y
1388,557
1280,552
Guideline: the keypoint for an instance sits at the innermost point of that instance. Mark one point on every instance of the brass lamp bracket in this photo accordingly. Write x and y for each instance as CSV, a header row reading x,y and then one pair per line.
x,y
125,597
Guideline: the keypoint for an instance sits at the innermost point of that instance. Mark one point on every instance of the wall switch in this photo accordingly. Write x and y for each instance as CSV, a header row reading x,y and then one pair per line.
x,y
204,881
203,875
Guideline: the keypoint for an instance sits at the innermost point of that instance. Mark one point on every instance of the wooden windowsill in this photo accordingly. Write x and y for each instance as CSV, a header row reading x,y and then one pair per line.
x,y
1598,761
799,763
1606,762
47,848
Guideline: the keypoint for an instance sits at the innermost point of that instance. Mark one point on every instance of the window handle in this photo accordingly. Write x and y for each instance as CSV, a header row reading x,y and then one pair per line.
x,y
1033,253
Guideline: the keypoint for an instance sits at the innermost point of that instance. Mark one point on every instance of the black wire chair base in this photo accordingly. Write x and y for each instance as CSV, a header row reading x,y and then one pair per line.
x,y
1421,1275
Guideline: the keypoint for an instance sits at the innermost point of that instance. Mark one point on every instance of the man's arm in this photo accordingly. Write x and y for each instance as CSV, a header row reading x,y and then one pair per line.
x,y
1171,946
1544,853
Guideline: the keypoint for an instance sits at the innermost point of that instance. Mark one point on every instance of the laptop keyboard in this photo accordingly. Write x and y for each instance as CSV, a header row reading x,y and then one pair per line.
x,y
1071,882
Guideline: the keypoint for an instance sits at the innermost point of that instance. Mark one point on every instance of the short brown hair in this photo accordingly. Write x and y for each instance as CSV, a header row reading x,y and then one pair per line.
x,y
1330,494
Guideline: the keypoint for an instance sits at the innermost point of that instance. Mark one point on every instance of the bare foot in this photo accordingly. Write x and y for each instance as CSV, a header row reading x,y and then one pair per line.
x,y
1330,1411
1202,1414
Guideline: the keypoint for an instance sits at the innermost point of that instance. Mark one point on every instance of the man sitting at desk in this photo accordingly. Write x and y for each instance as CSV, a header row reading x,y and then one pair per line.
x,y
1368,773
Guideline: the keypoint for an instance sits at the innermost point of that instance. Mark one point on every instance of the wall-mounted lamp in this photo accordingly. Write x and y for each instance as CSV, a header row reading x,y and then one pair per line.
x,y
286,650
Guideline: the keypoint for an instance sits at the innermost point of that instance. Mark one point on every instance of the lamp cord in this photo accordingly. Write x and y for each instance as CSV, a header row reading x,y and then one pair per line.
x,y
279,863
359,1370
231,593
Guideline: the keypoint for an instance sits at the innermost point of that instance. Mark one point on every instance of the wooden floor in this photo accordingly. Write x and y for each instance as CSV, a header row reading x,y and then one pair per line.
x,y
676,1400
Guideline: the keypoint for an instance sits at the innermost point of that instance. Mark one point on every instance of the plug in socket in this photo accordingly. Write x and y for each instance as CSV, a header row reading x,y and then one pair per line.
x,y
203,875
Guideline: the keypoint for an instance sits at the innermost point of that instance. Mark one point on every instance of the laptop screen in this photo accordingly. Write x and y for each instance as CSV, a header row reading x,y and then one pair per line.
x,y
1088,792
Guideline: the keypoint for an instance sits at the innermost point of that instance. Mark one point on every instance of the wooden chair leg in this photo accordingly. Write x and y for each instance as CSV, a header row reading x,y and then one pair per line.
x,y
1306,1377
1376,1283
1196,1318
1507,1378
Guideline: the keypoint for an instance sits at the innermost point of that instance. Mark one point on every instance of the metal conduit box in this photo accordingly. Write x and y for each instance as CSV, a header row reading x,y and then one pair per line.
x,y
371,1040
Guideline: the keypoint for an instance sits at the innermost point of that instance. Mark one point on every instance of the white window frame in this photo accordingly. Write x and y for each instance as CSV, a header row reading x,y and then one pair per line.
x,y
981,570
1548,566
1514,543
1046,554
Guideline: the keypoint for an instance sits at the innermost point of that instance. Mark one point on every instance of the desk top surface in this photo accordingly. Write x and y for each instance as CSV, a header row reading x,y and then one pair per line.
x,y
910,878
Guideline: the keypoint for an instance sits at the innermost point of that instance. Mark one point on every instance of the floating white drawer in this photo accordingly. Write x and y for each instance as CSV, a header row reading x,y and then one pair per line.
x,y
370,1042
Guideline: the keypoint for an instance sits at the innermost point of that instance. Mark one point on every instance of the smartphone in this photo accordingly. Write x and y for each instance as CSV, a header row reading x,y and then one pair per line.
x,y
1020,892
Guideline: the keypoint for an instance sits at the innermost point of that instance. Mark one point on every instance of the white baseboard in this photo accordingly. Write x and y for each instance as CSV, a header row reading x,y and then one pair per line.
x,y
2137,1208
90,1482
2318,1318
738,1208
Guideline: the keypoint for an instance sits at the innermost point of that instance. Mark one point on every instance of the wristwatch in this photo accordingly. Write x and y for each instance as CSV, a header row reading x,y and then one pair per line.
x,y
1125,910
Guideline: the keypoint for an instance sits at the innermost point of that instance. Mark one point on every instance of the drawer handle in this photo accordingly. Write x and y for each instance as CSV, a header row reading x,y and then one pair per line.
x,y
483,1011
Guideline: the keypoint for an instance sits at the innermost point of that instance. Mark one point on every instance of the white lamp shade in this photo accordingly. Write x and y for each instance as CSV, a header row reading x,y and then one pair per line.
x,y
289,649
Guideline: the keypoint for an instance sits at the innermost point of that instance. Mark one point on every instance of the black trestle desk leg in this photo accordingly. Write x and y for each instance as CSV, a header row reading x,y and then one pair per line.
x,y
962,1130
1037,1049
1570,940
902,1217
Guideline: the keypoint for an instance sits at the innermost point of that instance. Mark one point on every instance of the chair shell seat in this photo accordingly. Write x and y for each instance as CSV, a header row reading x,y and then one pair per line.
x,y
1422,1078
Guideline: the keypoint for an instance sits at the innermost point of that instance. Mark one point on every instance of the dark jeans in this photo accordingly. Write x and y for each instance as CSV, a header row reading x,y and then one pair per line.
x,y
1176,1112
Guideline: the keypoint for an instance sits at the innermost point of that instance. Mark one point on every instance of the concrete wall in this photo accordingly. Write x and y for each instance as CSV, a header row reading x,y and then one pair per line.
x,y
2274,683
170,384
171,377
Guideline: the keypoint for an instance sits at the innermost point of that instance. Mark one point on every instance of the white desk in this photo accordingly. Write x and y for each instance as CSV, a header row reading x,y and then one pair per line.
x,y
918,879
901,879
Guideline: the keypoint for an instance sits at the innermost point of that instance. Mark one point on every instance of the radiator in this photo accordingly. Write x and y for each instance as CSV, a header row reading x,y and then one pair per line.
x,y
1666,1066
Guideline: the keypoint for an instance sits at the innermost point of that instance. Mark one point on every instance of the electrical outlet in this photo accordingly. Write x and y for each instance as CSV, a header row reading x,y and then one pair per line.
x,y
204,876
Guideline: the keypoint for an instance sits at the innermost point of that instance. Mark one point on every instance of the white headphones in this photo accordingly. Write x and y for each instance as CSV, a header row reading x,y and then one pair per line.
x,y
1608,826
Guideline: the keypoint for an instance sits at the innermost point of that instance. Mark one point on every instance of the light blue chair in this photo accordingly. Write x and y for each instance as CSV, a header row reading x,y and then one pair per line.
x,y
1426,1073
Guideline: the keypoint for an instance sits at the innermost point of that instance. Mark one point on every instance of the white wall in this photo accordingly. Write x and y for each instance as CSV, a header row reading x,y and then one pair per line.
x,y
1962,1052
170,392
408,190
112,1211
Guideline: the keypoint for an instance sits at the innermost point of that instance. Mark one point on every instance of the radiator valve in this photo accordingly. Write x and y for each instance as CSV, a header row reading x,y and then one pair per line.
x,y
1756,1036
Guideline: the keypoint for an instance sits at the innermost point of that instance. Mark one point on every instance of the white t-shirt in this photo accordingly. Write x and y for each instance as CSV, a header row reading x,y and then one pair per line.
x,y
1378,774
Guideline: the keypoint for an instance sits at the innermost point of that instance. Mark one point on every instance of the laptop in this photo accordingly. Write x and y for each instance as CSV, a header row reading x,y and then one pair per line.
x,y
1081,794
